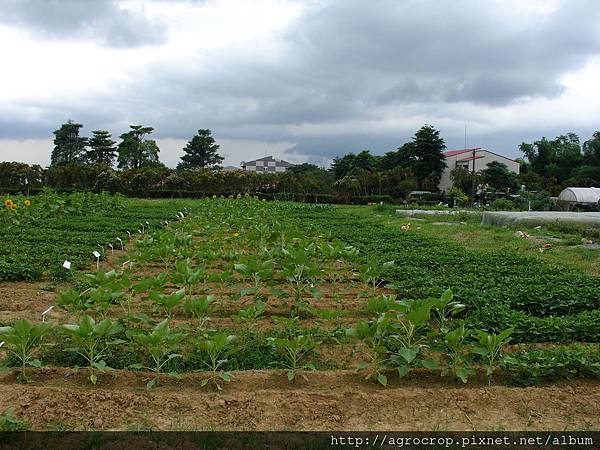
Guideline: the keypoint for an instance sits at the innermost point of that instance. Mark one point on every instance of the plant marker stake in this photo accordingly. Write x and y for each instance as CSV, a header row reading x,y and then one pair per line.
x,y
97,256
128,233
112,249
147,223
142,225
67,264
139,231
121,241
1,344
46,312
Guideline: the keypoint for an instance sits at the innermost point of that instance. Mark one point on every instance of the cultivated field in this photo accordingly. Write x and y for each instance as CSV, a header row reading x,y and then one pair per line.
x,y
251,315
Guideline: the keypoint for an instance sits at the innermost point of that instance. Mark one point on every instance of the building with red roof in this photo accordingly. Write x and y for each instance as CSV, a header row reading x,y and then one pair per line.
x,y
472,159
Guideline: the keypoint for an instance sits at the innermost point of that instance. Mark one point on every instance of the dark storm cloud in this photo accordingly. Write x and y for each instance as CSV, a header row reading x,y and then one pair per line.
x,y
347,59
345,62
102,21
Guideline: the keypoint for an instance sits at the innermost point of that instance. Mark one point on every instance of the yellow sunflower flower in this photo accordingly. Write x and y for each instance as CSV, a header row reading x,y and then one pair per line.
x,y
13,207
236,234
8,202
27,202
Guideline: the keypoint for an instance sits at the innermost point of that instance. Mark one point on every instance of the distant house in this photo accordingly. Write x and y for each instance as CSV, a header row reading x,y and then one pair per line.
x,y
472,159
266,164
230,169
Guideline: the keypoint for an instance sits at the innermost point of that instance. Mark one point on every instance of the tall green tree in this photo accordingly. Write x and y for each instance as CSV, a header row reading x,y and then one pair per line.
x,y
69,147
135,151
591,150
427,158
497,175
201,152
101,148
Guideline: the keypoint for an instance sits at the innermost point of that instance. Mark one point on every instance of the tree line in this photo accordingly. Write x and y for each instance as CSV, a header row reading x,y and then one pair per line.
x,y
134,151
88,163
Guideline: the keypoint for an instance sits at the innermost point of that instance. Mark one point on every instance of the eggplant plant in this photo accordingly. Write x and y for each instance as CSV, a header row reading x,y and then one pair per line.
x,y
372,273
159,344
187,275
300,272
293,351
252,313
199,307
408,335
444,308
216,346
373,337
92,341
168,301
259,273
22,339
489,346
457,352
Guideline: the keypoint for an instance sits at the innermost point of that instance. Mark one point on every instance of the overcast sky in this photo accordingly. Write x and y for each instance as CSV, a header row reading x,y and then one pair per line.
x,y
303,80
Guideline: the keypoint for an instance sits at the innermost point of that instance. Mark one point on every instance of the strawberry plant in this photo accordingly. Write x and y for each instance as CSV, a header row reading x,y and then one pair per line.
x,y
22,338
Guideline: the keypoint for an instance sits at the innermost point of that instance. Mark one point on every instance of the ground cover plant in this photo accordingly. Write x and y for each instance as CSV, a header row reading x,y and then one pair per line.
x,y
46,229
241,284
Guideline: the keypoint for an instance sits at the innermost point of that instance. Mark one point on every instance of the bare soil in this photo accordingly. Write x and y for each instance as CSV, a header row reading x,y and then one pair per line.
x,y
264,400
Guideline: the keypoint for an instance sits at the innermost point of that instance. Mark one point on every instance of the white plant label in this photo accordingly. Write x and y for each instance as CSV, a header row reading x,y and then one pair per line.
x,y
67,264
96,254
1,344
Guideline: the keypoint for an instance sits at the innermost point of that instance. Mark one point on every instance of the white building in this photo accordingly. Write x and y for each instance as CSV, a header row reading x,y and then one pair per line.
x,y
477,158
266,164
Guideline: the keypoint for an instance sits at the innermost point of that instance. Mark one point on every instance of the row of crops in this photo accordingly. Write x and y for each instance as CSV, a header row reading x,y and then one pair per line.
x,y
243,284
542,301
39,233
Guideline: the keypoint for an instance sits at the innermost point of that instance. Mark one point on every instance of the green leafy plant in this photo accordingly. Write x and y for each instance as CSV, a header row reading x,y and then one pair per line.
x,y
373,336
258,272
444,308
168,301
457,353
408,333
8,422
489,346
216,346
22,338
92,341
293,351
160,344
199,307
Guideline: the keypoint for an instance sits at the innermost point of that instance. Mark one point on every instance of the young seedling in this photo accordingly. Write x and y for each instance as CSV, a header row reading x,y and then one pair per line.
x,y
259,273
216,346
159,344
408,334
199,308
22,338
300,272
168,301
444,308
490,347
92,341
372,273
293,351
457,352
373,335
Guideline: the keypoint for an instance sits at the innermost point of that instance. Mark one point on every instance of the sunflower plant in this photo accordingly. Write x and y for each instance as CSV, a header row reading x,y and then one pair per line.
x,y
22,338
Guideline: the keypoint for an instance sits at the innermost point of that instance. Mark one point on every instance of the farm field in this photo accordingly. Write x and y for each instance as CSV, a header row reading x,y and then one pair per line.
x,y
250,315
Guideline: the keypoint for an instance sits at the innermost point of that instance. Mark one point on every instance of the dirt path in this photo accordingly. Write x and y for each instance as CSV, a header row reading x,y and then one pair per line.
x,y
264,400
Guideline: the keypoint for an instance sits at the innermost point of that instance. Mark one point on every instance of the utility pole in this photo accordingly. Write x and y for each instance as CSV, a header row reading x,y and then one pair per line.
x,y
473,187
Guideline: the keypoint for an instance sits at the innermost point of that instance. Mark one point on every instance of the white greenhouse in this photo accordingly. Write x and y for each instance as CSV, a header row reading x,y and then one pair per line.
x,y
574,196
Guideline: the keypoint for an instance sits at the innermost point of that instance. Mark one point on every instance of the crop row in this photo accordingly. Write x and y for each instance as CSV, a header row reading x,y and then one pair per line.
x,y
544,302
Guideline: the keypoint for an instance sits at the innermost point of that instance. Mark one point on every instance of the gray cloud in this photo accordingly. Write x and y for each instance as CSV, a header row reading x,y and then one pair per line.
x,y
342,62
102,21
